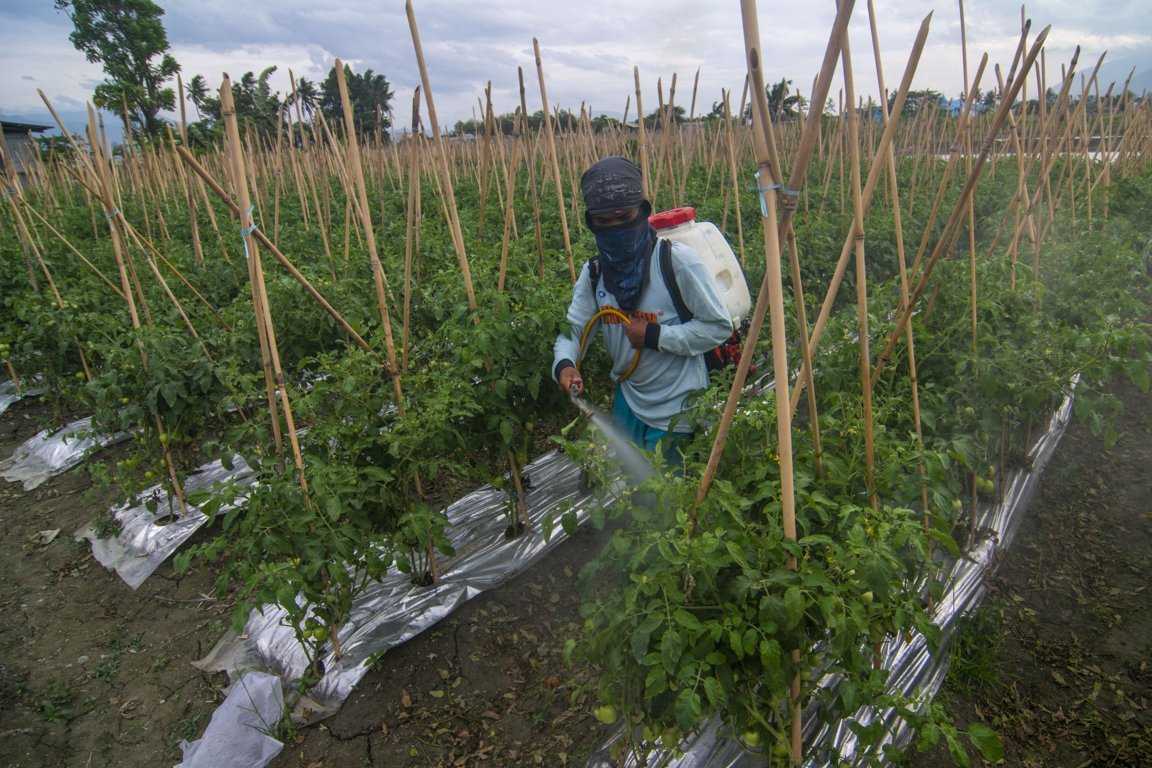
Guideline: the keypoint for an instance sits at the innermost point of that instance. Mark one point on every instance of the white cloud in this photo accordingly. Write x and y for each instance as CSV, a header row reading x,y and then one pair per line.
x,y
588,49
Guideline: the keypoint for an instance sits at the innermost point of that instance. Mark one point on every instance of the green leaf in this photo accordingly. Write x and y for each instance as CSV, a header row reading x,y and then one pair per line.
x,y
655,683
671,646
956,749
715,691
569,647
986,741
794,606
688,709
687,620
641,636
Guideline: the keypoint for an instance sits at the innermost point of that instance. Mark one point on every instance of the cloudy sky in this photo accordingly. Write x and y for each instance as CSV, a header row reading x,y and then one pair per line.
x,y
588,48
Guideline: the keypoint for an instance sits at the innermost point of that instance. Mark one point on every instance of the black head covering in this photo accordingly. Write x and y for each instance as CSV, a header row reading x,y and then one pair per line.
x,y
611,184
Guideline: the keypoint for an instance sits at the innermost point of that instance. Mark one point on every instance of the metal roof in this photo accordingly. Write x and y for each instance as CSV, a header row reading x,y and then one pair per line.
x,y
11,127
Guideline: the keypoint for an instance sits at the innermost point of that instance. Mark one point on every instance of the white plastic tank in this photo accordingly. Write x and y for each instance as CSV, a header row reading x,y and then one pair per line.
x,y
680,225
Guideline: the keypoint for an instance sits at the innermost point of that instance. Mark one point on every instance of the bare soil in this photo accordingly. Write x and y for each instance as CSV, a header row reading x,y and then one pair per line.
x,y
91,673
1058,663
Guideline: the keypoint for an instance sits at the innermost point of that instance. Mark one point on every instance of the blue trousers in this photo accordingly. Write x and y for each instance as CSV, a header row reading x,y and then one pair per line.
x,y
646,437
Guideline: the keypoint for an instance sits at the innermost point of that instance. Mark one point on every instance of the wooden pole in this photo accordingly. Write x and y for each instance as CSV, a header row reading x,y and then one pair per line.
x,y
642,139
893,186
555,161
866,201
798,175
442,156
360,190
235,150
774,287
951,227
861,272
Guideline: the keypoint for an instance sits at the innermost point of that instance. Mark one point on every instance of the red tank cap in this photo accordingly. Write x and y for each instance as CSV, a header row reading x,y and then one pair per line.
x,y
672,218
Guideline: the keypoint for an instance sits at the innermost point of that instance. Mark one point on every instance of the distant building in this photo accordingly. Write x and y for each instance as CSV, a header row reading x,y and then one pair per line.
x,y
21,146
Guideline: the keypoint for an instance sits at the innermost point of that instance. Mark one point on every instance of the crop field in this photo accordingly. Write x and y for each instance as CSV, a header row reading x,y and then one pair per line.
x,y
304,346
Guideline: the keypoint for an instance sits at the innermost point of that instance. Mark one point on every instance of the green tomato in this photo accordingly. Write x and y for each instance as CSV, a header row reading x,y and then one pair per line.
x,y
957,505
606,714
751,738
867,598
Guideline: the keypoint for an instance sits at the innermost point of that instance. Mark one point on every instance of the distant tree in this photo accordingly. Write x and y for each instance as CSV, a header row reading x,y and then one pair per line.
x,y
990,99
675,115
306,94
197,92
370,95
257,105
128,39
56,148
604,123
918,100
782,103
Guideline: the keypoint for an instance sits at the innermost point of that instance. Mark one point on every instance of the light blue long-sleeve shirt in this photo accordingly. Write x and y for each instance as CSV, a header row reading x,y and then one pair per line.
x,y
676,368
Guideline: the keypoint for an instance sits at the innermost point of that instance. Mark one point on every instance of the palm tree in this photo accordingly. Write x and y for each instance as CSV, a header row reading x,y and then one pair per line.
x,y
198,91
307,95
780,103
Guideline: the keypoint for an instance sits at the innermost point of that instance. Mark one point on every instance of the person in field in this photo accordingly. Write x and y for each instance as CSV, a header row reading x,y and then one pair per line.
x,y
627,274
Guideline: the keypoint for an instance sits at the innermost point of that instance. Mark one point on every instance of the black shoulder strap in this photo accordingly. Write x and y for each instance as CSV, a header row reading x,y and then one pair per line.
x,y
669,275
594,277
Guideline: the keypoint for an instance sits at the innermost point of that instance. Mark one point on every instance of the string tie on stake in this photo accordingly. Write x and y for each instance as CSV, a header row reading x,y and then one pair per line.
x,y
788,197
761,189
247,231
112,214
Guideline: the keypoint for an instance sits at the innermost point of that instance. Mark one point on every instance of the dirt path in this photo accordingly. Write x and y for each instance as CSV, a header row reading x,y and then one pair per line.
x,y
91,673
1058,659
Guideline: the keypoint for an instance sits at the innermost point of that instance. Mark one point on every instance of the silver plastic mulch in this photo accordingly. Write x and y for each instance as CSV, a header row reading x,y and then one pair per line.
x,y
49,453
392,611
10,394
153,528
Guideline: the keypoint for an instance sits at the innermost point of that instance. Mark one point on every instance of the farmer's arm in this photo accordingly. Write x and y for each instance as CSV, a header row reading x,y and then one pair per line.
x,y
710,325
580,311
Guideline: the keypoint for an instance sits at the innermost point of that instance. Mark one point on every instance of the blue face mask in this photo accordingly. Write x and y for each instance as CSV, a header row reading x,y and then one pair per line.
x,y
624,256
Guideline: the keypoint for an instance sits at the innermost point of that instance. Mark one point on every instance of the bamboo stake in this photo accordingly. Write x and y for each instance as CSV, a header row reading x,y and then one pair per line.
x,y
555,161
773,286
190,201
256,272
861,272
525,133
890,161
731,151
445,172
950,228
412,225
866,201
642,140
280,257
798,174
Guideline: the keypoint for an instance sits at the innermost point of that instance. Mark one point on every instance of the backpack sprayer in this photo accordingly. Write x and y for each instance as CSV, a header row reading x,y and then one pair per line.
x,y
680,225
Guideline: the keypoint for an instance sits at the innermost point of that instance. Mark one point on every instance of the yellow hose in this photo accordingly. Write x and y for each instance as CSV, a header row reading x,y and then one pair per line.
x,y
586,334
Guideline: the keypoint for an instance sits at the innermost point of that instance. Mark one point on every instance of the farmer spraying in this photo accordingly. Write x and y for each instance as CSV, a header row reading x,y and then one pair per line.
x,y
659,307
